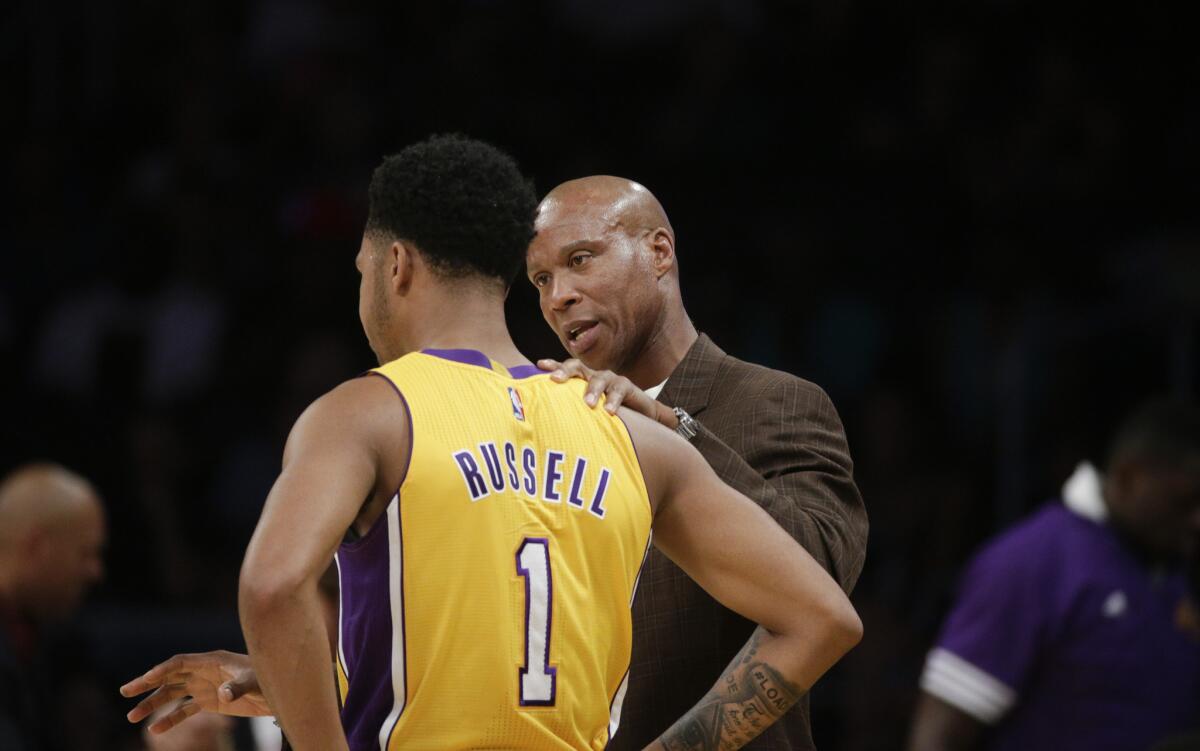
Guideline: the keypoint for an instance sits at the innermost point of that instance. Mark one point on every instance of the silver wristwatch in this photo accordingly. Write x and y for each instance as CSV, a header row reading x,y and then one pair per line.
x,y
687,427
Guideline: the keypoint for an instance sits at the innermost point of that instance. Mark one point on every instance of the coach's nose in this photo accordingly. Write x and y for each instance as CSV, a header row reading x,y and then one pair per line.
x,y
562,295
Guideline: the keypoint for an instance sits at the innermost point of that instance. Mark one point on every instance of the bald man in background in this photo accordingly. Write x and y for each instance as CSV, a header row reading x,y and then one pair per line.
x,y
604,265
52,533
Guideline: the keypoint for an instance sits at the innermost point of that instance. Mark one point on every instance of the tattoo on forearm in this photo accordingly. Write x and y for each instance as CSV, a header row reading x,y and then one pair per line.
x,y
749,696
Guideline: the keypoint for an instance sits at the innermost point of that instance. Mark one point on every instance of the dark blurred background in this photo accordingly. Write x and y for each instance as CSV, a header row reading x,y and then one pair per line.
x,y
974,224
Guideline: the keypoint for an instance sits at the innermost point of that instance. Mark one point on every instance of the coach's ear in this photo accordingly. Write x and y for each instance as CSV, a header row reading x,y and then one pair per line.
x,y
661,244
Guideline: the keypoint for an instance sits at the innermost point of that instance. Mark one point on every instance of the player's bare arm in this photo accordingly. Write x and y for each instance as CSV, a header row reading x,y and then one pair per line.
x,y
219,681
740,556
334,476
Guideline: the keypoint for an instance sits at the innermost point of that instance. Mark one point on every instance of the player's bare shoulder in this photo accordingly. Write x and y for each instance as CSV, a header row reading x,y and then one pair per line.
x,y
663,454
366,412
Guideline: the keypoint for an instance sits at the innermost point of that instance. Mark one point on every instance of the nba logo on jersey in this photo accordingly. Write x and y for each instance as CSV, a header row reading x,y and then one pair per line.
x,y
518,408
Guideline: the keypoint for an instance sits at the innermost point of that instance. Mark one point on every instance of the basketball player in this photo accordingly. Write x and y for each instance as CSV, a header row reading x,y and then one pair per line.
x,y
488,526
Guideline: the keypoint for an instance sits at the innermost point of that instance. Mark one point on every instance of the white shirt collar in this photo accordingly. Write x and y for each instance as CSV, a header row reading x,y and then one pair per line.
x,y
1083,495
654,391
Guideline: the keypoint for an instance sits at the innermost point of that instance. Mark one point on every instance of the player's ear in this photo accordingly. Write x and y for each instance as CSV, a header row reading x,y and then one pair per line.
x,y
400,265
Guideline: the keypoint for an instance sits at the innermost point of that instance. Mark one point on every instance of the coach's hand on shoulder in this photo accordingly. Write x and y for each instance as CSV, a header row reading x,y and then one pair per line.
x,y
617,390
217,681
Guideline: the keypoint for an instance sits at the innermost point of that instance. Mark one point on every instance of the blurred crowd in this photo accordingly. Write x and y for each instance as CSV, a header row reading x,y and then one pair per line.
x,y
971,224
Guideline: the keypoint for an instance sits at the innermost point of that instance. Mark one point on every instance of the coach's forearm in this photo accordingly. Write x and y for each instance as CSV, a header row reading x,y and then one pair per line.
x,y
289,648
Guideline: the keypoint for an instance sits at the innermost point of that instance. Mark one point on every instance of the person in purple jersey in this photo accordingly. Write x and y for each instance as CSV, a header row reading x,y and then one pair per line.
x,y
1078,628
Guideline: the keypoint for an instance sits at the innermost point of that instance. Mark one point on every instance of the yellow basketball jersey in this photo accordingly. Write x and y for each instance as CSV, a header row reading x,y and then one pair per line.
x,y
489,606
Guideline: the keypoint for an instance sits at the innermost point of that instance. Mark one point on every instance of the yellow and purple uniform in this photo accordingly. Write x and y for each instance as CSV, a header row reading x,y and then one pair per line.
x,y
489,606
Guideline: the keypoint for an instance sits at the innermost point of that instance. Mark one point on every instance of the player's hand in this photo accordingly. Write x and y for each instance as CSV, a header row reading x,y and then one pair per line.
x,y
222,682
205,731
617,390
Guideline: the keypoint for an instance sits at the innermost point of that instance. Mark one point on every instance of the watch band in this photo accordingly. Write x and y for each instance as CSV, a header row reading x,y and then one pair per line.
x,y
687,426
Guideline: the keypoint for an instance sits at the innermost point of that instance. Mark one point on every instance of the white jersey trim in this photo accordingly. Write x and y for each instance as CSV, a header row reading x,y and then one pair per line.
x,y
614,710
396,596
341,654
965,686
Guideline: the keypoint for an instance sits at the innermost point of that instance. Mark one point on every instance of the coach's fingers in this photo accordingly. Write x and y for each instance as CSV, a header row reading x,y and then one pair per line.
x,y
574,368
640,401
547,363
598,384
156,701
186,709
618,391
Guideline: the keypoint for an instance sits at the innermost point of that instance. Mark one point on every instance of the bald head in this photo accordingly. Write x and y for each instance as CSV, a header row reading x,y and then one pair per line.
x,y
52,531
618,202
42,496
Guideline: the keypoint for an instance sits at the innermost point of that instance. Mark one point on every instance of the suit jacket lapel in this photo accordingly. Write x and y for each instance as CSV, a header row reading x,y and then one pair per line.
x,y
692,380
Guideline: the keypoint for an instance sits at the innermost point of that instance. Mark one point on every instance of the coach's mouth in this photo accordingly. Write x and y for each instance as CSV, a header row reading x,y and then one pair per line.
x,y
580,335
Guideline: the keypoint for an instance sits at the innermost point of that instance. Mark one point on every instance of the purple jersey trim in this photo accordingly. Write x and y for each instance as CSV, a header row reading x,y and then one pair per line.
x,y
475,357
465,356
524,371
356,545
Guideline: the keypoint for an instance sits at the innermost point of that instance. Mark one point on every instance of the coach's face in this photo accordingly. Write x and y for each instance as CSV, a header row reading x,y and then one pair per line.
x,y
596,282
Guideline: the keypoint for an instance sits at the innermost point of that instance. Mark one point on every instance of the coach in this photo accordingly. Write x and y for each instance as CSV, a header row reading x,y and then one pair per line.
x,y
603,262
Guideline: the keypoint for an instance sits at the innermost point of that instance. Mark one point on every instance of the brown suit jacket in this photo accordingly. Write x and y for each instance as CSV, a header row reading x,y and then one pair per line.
x,y
779,440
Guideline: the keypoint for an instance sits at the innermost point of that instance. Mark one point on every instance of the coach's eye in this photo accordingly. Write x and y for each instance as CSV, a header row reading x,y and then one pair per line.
x,y
578,259
540,280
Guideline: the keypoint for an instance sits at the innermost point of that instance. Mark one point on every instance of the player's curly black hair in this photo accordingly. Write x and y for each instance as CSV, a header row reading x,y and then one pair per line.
x,y
463,203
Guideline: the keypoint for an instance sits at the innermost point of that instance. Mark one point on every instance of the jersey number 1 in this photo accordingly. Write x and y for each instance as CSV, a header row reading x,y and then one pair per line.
x,y
536,680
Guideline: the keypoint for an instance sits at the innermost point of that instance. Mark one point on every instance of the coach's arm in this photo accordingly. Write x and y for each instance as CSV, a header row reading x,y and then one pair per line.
x,y
798,469
732,549
797,466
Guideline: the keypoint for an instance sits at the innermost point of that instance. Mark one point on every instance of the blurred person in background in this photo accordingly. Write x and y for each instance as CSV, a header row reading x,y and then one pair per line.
x,y
52,534
1079,628
603,262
